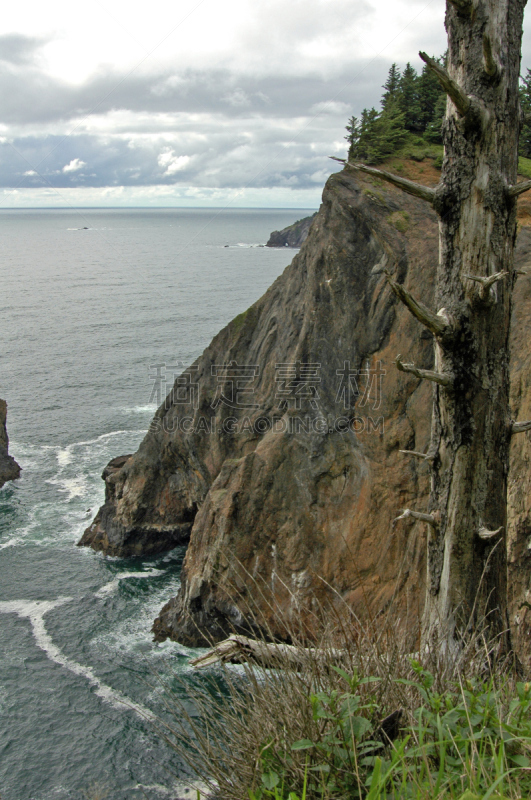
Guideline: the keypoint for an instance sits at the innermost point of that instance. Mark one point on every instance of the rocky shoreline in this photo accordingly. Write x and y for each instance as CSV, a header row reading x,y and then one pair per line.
x,y
292,236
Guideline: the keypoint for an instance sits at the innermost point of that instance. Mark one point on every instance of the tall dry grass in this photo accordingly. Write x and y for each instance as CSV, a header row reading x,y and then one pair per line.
x,y
360,718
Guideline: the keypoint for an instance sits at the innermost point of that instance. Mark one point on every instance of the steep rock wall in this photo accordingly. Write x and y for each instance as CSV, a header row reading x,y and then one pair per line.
x,y
9,469
303,510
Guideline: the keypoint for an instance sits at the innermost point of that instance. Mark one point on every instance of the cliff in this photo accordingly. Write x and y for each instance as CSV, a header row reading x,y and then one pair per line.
x,y
292,236
9,469
284,468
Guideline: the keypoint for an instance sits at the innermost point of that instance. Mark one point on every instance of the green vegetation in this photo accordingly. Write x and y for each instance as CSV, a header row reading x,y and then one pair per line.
x,y
400,220
358,719
524,167
461,743
409,122
412,110
237,323
525,100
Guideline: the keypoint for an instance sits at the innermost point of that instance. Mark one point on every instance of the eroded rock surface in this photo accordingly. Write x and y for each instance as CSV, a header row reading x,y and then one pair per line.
x,y
9,469
277,497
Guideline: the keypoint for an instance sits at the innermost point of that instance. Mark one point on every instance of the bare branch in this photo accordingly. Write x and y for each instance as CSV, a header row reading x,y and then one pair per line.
x,y
520,427
521,272
519,188
434,322
485,534
459,98
491,67
416,189
408,514
489,281
415,453
428,374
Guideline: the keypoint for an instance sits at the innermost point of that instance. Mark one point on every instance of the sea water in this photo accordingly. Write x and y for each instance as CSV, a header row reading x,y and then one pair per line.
x,y
94,305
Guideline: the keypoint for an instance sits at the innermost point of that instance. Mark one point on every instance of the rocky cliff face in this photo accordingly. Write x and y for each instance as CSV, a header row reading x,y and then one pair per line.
x,y
9,469
277,452
292,236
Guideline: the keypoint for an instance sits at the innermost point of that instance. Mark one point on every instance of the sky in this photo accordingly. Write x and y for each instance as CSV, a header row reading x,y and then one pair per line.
x,y
194,102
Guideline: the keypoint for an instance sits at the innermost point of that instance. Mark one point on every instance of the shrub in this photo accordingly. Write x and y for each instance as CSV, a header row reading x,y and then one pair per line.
x,y
359,718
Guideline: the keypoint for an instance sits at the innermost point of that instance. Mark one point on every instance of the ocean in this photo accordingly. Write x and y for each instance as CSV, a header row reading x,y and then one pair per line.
x,y
94,305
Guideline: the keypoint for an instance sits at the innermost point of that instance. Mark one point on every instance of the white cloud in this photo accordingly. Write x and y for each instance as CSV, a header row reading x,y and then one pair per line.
x,y
330,107
75,165
171,196
172,163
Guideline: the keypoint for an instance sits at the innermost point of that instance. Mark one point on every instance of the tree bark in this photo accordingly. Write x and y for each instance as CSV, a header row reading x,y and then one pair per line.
x,y
471,425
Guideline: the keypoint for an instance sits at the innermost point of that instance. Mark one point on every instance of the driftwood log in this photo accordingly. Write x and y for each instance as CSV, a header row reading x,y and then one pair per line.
x,y
239,649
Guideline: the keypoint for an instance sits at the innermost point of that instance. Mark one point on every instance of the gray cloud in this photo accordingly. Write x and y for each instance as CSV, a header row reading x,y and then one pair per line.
x,y
202,128
15,48
29,97
225,158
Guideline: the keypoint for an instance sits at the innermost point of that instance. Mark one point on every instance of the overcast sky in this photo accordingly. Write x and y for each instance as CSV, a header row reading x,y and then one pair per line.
x,y
193,102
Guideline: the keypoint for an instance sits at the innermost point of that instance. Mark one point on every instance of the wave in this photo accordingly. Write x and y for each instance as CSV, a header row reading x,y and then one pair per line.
x,y
35,610
246,245
110,587
150,408
9,543
103,437
76,487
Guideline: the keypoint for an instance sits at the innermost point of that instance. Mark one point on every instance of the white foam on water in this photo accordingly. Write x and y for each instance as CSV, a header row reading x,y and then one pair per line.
x,y
179,790
9,543
105,436
149,408
64,457
35,610
75,487
108,588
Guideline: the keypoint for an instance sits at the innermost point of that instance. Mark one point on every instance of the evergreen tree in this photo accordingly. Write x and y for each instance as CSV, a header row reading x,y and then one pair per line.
x,y
433,131
391,86
524,148
366,146
353,135
429,92
378,135
408,99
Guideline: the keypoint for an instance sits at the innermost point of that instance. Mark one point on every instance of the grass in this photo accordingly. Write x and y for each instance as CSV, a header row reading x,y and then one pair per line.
x,y
524,167
360,719
400,220
418,149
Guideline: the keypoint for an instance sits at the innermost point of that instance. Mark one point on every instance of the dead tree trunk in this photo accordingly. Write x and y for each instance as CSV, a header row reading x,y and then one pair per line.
x,y
471,424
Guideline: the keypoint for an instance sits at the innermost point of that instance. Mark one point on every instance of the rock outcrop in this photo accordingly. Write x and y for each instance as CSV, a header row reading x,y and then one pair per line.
x,y
277,452
9,469
142,530
292,236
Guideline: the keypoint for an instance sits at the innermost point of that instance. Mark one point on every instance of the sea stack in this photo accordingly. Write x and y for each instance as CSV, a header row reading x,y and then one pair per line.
x,y
9,469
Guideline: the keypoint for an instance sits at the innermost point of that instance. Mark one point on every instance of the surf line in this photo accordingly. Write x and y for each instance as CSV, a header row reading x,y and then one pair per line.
x,y
35,610
110,587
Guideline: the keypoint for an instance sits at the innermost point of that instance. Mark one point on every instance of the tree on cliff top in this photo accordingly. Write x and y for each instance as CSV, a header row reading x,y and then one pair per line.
x,y
471,424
